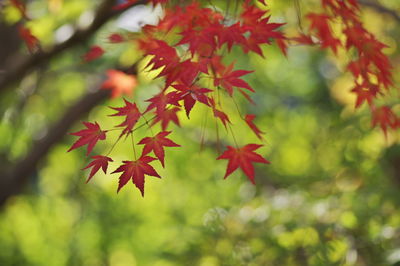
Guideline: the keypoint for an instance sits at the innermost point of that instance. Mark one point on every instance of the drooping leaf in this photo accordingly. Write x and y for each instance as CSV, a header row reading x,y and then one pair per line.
x,y
218,113
190,95
131,113
230,79
249,121
98,162
365,92
88,136
160,101
385,118
163,55
303,39
320,22
244,158
157,144
201,41
283,45
232,35
136,171
166,116
256,25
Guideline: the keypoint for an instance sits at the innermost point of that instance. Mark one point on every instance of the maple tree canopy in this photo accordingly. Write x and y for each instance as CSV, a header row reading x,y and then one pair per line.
x,y
189,46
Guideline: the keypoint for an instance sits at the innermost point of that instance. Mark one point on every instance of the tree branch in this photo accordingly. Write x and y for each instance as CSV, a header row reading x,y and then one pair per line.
x,y
103,14
380,9
12,182
14,179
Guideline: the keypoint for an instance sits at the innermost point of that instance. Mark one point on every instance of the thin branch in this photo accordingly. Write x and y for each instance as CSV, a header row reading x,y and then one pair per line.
x,y
103,14
380,9
14,179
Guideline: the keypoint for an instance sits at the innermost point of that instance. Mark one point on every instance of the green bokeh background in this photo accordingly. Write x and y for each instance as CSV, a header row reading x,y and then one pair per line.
x,y
331,195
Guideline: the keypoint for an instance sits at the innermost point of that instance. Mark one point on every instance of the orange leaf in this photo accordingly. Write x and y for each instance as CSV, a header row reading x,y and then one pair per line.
x,y
119,83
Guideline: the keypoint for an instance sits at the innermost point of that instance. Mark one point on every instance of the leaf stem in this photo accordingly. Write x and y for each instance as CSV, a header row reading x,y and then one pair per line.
x,y
148,125
113,146
133,146
218,139
237,108
233,136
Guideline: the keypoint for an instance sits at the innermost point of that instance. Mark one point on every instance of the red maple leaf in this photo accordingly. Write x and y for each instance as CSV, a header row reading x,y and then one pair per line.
x,y
256,22
94,53
136,170
231,35
131,113
163,56
283,45
88,136
230,79
303,39
218,113
249,121
199,41
320,22
190,95
385,117
222,116
184,72
98,162
251,14
30,40
161,100
365,92
167,116
244,158
157,144
116,38
119,83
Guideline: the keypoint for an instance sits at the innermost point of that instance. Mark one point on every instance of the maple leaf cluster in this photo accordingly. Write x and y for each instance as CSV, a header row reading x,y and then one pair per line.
x,y
188,49
370,67
199,39
188,46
